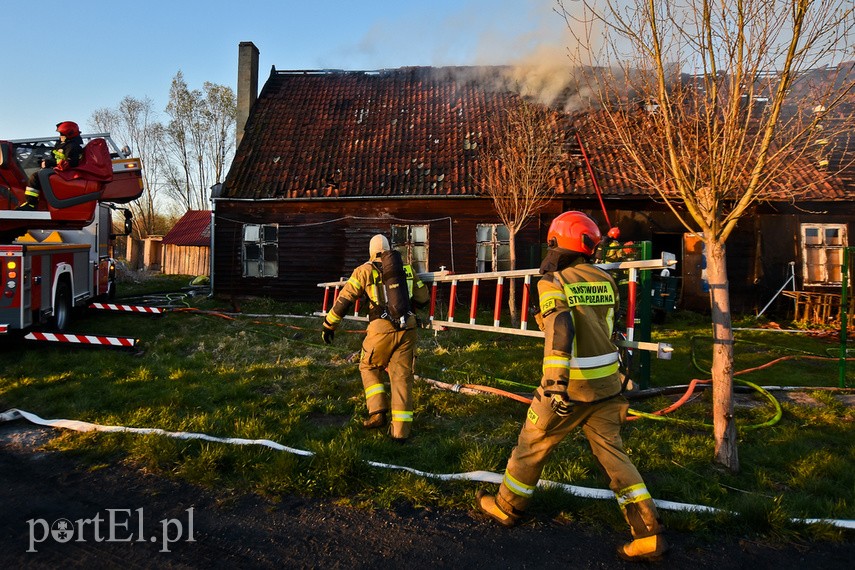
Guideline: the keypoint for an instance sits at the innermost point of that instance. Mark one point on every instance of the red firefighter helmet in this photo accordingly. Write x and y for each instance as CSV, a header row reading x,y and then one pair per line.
x,y
574,231
68,128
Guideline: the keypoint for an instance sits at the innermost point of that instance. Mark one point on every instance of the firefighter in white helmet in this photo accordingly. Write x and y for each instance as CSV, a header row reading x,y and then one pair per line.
x,y
389,342
580,387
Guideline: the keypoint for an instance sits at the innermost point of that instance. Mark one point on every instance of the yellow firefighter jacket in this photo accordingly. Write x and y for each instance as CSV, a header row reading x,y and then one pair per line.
x,y
578,306
366,279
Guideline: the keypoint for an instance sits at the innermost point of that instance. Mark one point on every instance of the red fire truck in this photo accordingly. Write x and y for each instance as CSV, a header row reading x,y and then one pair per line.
x,y
58,256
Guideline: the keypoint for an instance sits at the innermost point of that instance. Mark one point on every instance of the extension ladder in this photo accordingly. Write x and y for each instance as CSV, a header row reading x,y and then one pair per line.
x,y
438,278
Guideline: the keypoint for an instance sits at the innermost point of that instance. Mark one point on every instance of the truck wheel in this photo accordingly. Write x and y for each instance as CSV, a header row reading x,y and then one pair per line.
x,y
62,306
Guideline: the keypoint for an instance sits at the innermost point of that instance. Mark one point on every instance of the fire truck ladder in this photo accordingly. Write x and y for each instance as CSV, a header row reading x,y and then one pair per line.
x,y
435,279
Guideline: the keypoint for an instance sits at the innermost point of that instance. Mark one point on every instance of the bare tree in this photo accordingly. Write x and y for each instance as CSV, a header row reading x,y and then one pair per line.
x,y
519,169
200,137
134,123
714,142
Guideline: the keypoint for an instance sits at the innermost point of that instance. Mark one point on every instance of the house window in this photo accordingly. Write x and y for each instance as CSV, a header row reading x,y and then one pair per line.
x,y
823,247
493,247
260,250
412,242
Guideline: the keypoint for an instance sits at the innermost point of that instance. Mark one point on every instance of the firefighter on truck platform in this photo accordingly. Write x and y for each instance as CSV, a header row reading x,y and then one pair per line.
x,y
581,387
389,343
66,154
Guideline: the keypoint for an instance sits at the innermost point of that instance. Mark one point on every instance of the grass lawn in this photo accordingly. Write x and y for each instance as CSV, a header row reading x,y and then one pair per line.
x,y
260,377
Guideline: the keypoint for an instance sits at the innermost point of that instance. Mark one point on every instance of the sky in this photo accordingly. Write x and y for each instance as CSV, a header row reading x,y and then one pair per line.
x,y
67,60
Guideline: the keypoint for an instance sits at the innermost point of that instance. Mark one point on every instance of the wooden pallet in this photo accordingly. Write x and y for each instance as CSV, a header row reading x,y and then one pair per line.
x,y
818,308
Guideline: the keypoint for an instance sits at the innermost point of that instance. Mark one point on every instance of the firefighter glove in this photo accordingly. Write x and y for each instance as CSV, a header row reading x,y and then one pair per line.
x,y
560,404
328,333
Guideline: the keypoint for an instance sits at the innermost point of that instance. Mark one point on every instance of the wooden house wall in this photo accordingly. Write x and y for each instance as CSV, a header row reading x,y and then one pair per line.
x,y
759,251
779,243
186,260
324,240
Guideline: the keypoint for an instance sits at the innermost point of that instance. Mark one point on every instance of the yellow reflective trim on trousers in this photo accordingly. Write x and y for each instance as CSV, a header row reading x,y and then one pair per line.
x,y
517,487
402,416
633,494
593,373
374,389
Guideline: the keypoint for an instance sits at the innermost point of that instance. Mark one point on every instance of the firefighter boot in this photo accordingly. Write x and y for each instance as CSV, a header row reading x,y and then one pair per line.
x,y
648,543
647,549
488,505
32,199
376,420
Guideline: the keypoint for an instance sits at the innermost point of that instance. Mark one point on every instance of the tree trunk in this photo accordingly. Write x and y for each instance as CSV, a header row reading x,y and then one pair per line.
x,y
512,284
724,424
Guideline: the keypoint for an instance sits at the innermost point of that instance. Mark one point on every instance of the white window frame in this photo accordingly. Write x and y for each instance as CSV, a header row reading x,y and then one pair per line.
x,y
260,250
496,246
821,260
413,242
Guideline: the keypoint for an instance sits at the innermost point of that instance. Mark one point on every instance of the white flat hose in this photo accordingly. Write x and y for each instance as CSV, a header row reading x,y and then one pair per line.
x,y
480,476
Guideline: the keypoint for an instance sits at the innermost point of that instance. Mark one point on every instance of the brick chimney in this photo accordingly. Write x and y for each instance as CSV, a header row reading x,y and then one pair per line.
x,y
247,85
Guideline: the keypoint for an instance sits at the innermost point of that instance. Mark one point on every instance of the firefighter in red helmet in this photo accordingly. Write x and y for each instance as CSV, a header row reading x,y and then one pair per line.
x,y
389,343
580,387
66,154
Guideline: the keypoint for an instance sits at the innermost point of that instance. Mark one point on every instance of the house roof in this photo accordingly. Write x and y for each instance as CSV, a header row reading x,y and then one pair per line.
x,y
409,132
415,131
193,229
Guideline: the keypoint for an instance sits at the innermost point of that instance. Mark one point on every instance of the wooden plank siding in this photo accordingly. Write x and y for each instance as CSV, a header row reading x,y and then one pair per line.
x,y
323,240
186,260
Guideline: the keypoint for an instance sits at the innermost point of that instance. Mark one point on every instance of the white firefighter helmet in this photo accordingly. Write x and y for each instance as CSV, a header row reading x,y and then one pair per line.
x,y
377,245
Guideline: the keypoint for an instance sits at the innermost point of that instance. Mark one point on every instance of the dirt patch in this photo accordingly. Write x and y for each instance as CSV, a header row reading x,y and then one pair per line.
x,y
846,399
328,420
39,488
800,398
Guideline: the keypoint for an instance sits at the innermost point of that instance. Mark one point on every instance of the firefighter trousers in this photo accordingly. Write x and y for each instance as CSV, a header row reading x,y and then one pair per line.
x,y
387,348
543,430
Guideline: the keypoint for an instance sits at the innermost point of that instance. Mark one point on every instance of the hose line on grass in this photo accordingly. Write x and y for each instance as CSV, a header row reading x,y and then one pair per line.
x,y
659,415
480,476
778,411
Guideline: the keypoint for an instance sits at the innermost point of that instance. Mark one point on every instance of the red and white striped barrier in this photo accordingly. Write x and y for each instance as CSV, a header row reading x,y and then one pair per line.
x,y
126,308
122,341
4,329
